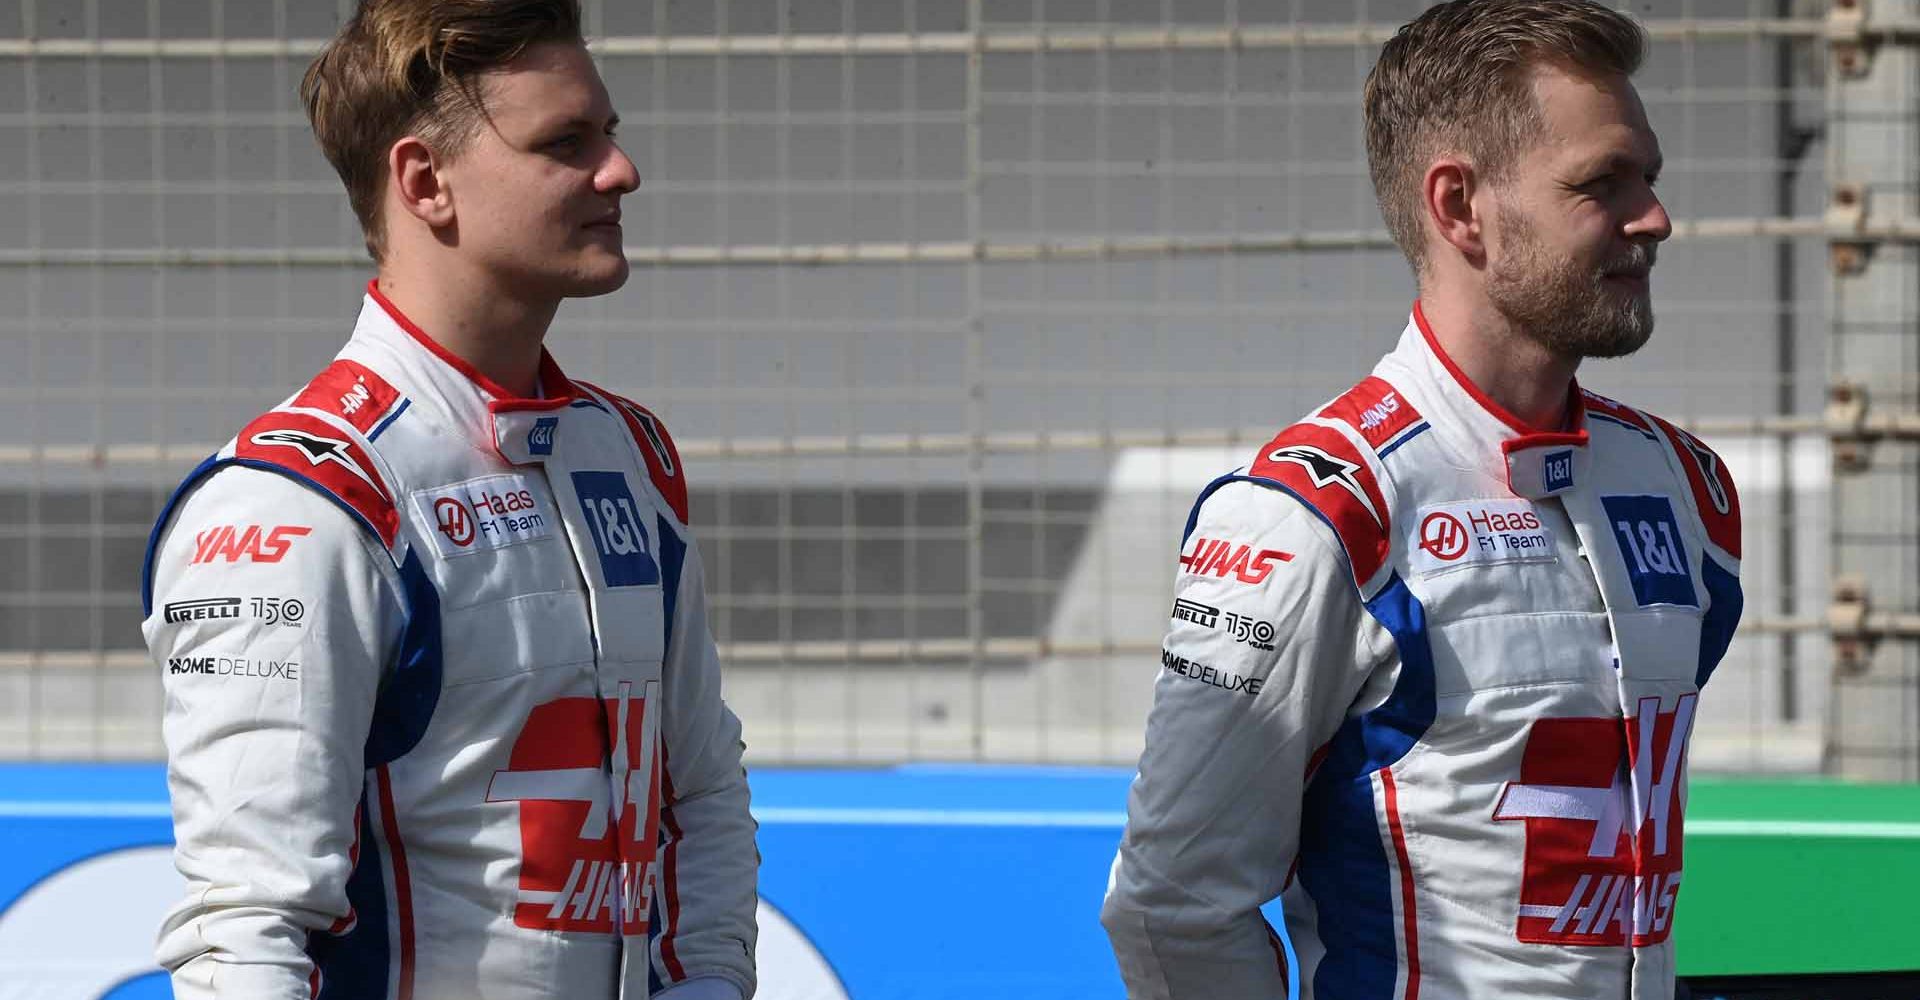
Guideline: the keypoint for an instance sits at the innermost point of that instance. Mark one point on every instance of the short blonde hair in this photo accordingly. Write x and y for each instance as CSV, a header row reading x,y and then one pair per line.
x,y
1459,79
412,67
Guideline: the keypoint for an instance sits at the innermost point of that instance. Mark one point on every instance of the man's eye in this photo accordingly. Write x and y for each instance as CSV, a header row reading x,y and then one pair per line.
x,y
565,143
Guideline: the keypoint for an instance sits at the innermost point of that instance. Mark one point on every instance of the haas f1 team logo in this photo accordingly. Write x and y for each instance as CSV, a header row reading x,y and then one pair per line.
x,y
1443,536
455,521
587,844
1602,802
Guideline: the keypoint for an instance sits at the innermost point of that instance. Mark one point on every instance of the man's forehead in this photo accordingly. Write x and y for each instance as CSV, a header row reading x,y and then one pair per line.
x,y
1588,116
552,81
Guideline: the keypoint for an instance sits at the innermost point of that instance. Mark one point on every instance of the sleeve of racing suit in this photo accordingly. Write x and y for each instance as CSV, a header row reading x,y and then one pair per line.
x,y
1213,817
710,864
272,614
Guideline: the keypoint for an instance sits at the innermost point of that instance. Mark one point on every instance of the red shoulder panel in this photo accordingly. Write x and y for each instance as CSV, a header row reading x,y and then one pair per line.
x,y
1322,467
351,391
656,446
313,449
1713,489
1375,409
1607,407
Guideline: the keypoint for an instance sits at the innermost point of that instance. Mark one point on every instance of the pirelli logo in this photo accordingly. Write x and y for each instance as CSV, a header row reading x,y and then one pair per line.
x,y
209,609
1195,612
287,611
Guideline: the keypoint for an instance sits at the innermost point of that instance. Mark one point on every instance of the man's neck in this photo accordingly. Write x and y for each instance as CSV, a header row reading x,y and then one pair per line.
x,y
1514,370
498,335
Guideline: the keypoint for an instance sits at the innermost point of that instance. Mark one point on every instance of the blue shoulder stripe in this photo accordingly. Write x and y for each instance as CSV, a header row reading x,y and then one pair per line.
x,y
411,690
160,526
673,558
1725,602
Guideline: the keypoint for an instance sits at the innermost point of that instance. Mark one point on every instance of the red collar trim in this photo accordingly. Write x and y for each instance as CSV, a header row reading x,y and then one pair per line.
x,y
552,381
1576,408
1575,439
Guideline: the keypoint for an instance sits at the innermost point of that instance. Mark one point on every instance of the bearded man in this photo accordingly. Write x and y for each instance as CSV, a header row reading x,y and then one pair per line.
x,y
1494,597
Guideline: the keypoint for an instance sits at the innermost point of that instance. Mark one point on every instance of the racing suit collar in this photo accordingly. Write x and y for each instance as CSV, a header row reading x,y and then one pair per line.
x,y
1536,462
557,388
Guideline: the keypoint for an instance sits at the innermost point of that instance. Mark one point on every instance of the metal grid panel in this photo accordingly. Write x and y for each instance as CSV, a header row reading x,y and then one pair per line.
x,y
954,306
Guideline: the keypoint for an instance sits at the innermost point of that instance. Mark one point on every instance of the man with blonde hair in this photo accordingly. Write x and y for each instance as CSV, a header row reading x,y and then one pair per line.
x,y
443,714
1492,597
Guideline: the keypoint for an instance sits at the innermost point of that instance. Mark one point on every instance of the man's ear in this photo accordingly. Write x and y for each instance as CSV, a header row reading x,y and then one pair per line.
x,y
414,178
1447,194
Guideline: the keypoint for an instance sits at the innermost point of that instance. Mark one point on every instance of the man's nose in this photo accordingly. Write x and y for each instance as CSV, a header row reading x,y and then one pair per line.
x,y
1652,222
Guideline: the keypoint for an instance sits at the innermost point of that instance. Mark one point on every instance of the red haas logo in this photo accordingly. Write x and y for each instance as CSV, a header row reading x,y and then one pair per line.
x,y
1603,839
1524,520
226,543
454,521
1214,557
1443,536
587,844
501,504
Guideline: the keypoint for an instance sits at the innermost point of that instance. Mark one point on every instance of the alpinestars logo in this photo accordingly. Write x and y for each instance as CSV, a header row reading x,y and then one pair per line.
x,y
315,449
1602,801
1709,470
1326,469
587,845
651,428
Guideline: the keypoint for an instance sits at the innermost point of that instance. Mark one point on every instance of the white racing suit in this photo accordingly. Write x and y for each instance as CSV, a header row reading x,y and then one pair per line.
x,y
1430,678
443,714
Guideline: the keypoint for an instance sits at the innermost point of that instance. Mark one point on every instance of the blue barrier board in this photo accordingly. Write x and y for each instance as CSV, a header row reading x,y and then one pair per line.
x,y
906,883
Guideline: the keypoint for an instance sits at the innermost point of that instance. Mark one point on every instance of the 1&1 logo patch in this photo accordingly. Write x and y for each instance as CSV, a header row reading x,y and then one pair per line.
x,y
1557,471
1651,547
618,534
540,439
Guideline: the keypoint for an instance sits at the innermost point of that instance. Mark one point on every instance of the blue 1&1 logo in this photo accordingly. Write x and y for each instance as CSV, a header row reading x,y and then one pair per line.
x,y
540,438
618,534
1558,471
1650,544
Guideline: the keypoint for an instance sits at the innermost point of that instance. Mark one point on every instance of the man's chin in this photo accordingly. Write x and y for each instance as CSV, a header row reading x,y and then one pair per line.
x,y
1622,339
599,277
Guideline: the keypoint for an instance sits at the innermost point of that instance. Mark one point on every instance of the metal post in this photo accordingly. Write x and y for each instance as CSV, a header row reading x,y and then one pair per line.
x,y
1792,140
1873,107
976,395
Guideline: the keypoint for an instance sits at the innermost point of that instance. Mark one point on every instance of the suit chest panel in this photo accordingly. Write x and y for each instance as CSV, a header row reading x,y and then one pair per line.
x,y
1562,591
544,564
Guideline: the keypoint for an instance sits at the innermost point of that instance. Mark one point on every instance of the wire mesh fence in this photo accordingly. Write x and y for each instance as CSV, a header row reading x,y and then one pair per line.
x,y
953,306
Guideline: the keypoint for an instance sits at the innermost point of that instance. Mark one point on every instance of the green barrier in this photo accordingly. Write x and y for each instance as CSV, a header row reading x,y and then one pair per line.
x,y
1798,878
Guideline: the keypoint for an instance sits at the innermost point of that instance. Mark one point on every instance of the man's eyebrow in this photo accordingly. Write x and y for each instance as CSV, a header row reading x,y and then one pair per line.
x,y
580,121
1617,161
584,121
